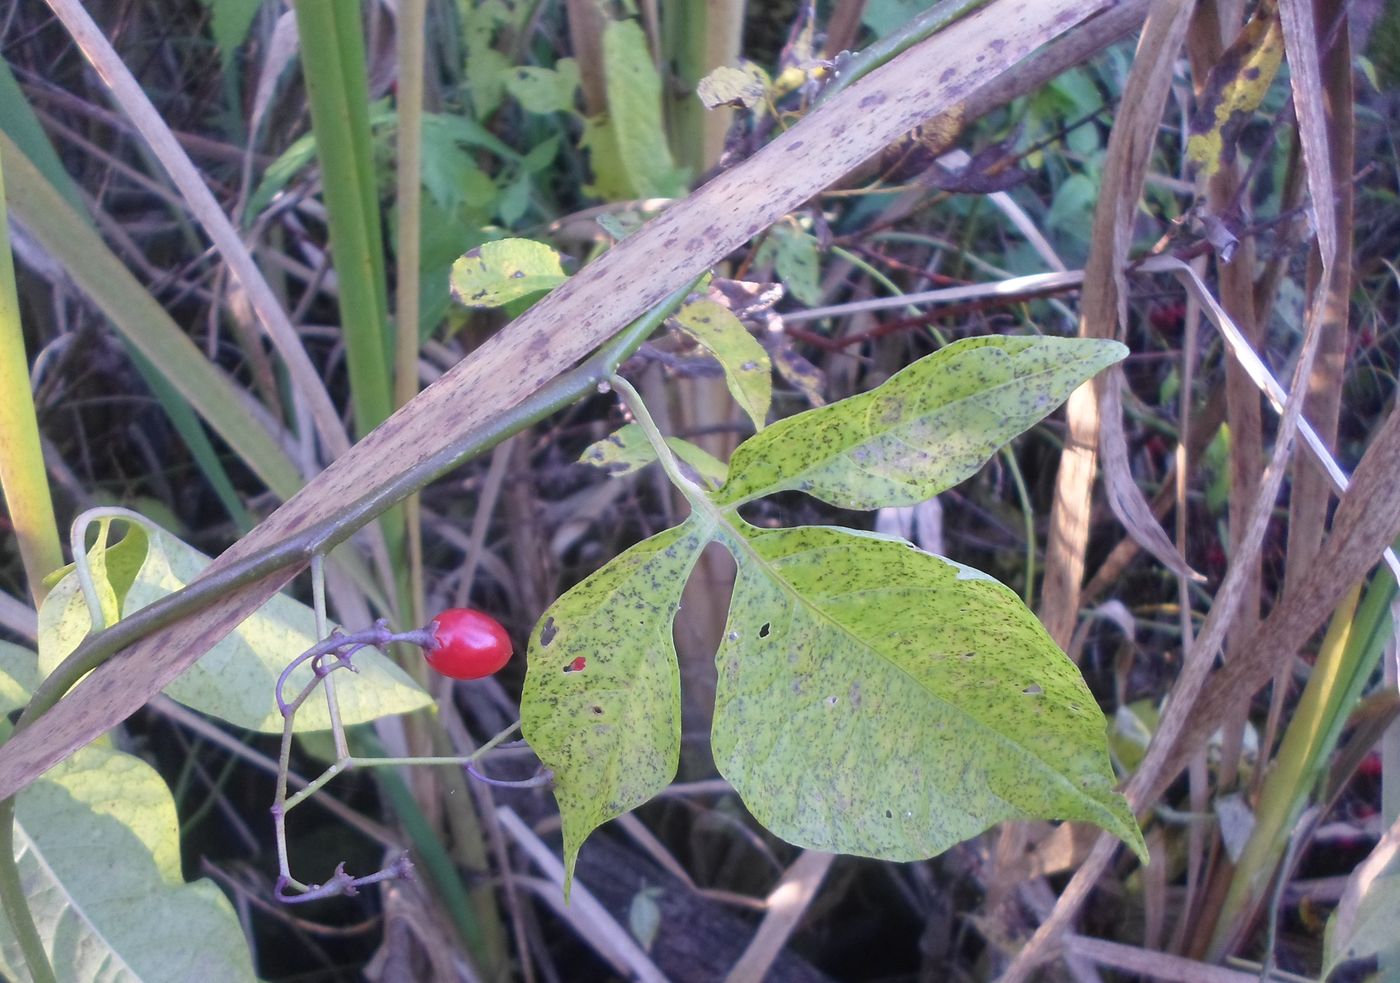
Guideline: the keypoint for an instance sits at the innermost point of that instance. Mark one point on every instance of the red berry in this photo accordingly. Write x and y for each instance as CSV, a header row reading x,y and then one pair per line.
x,y
467,644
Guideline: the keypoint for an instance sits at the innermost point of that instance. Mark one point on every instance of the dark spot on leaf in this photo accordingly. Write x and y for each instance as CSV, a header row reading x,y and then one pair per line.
x,y
969,655
763,632
597,710
548,632
888,814
1033,690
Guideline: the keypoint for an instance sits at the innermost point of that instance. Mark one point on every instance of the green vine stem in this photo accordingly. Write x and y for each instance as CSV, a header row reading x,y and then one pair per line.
x,y
315,540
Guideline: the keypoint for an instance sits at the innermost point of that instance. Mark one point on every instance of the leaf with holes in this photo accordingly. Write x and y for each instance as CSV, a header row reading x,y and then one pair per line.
x,y
496,273
926,429
601,704
748,371
878,700
626,450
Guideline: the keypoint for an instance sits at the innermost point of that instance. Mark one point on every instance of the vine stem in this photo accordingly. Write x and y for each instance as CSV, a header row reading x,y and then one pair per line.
x,y
313,541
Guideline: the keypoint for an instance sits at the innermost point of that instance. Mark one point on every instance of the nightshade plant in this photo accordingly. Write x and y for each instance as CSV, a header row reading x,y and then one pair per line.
x,y
872,698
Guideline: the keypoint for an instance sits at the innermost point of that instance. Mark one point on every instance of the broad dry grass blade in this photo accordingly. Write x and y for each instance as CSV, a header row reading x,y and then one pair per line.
x,y
133,101
660,258
1103,315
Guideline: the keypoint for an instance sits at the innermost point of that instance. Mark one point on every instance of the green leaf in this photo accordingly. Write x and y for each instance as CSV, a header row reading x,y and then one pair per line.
x,y
545,90
626,450
926,429
19,675
878,700
748,371
601,704
279,174
793,254
235,679
231,21
634,113
496,273
1363,927
97,843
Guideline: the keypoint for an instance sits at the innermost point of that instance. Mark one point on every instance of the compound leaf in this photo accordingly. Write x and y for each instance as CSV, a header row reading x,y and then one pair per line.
x,y
601,704
748,371
877,700
929,427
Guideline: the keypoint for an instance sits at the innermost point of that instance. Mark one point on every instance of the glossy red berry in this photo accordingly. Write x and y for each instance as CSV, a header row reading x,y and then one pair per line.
x,y
467,644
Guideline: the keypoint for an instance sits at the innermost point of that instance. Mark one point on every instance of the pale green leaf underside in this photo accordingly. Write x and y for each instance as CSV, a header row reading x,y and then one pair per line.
x,y
929,427
496,273
1371,929
877,700
748,371
626,450
610,731
235,679
97,844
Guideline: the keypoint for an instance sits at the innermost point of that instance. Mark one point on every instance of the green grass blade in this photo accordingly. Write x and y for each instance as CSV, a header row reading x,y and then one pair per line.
x,y
70,240
333,62
22,474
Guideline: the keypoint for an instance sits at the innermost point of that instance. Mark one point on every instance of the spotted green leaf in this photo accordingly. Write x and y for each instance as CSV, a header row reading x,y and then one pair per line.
x,y
748,371
793,254
234,680
744,87
878,700
626,450
496,273
927,428
601,704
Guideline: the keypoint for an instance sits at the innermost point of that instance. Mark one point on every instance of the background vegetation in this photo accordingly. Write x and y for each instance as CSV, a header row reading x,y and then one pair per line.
x,y
220,290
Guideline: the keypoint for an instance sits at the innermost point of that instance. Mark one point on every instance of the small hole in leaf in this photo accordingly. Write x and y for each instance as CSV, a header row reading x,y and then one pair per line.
x,y
733,636
597,710
1033,690
548,632
577,665
888,814
767,627
831,701
969,655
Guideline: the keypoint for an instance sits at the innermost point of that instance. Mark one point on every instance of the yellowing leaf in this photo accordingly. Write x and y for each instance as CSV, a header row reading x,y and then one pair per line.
x,y
626,450
929,427
744,87
235,679
1234,89
601,704
496,273
748,371
878,700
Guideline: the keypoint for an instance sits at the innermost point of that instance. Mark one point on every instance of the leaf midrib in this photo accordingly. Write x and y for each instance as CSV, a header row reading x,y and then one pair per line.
x,y
792,481
753,556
